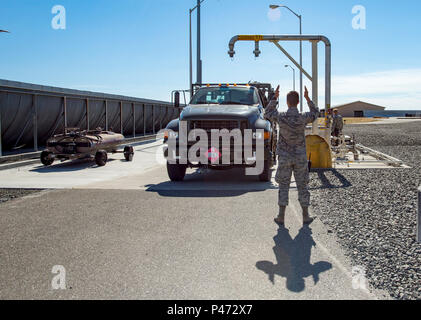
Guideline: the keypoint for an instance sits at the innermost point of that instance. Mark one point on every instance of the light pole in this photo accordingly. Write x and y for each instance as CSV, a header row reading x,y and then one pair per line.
x,y
272,6
1,148
199,61
293,72
199,64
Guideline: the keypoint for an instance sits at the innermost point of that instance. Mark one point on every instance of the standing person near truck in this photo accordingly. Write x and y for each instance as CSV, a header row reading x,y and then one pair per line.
x,y
291,150
337,124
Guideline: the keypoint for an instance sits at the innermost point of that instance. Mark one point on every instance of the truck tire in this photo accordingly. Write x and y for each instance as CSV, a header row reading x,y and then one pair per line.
x,y
266,175
128,153
46,160
272,159
176,172
101,158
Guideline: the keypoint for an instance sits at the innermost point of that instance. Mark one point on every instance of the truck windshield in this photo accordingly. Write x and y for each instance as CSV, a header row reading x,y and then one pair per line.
x,y
225,95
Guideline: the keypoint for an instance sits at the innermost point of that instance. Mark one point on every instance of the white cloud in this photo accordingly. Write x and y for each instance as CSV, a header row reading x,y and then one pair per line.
x,y
393,89
274,14
391,102
385,82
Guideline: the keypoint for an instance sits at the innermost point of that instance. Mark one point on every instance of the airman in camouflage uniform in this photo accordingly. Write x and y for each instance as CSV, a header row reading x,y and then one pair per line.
x,y
337,126
337,123
291,150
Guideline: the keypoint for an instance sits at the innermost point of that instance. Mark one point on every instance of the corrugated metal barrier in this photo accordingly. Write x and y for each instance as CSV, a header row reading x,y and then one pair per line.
x,y
30,114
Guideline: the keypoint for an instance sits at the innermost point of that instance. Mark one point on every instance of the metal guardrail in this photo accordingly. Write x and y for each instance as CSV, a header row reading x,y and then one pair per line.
x,y
30,114
23,159
379,155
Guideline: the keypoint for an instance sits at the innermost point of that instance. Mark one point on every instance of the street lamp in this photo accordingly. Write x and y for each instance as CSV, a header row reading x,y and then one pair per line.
x,y
273,6
293,71
199,64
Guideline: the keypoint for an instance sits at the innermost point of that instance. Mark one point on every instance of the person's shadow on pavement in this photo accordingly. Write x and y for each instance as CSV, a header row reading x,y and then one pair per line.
x,y
293,259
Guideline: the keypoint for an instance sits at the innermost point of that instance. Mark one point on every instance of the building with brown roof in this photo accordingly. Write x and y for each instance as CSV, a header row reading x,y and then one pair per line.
x,y
357,109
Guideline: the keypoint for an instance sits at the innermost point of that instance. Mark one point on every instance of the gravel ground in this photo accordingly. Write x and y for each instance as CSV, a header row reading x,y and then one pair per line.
x,y
373,212
9,194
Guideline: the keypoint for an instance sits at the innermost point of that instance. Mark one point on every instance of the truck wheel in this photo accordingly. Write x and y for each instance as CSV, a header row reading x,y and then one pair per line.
x,y
266,175
101,158
176,172
46,158
128,153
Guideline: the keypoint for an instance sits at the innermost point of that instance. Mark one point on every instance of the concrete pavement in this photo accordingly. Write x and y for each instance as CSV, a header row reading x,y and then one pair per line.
x,y
71,174
139,236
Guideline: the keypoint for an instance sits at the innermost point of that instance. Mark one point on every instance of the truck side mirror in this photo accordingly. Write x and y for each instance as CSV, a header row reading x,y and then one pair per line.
x,y
177,99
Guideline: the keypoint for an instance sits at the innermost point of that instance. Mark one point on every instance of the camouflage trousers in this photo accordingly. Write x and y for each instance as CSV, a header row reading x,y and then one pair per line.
x,y
289,163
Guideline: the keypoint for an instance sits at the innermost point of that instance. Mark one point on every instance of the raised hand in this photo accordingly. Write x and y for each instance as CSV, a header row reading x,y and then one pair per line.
x,y
276,95
306,93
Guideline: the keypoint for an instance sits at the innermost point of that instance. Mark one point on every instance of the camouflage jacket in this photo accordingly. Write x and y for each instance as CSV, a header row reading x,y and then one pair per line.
x,y
292,126
338,122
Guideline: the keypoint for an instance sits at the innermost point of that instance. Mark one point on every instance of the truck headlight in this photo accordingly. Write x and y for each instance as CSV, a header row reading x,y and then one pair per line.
x,y
261,135
170,134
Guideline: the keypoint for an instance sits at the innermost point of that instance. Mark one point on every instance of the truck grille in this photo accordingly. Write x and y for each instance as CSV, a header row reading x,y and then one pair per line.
x,y
208,125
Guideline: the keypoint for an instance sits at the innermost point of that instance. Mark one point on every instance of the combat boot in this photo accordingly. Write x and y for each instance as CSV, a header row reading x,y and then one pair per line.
x,y
281,217
306,217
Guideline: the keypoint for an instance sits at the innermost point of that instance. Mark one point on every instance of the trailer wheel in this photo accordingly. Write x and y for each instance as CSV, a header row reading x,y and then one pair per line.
x,y
266,175
46,158
101,158
128,153
176,172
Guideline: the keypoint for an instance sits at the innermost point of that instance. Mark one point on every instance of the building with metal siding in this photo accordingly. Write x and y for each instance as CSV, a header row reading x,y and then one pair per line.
x,y
357,109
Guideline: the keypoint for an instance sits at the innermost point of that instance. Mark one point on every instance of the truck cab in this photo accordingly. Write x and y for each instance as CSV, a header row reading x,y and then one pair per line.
x,y
231,109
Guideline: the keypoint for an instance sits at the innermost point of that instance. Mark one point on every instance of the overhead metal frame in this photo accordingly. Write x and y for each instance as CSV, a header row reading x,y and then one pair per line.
x,y
314,39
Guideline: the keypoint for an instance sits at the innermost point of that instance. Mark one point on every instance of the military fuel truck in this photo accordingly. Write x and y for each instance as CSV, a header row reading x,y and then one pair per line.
x,y
223,106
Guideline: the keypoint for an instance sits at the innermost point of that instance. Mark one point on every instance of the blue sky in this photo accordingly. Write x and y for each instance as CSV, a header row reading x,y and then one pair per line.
x,y
140,47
